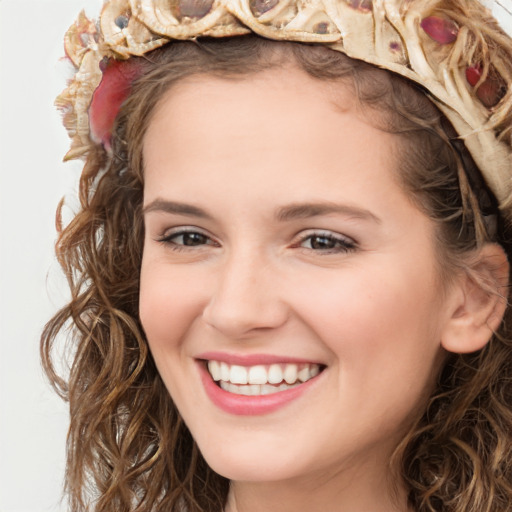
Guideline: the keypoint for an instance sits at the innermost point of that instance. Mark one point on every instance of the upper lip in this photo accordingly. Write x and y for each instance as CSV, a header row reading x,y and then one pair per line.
x,y
253,359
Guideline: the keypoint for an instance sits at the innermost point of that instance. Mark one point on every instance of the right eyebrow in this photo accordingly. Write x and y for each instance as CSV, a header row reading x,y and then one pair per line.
x,y
161,205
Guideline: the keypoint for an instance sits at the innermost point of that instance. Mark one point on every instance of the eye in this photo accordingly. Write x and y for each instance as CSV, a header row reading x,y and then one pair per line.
x,y
183,239
327,242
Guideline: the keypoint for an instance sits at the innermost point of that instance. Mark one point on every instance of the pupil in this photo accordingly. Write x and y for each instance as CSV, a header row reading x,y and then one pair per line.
x,y
321,242
193,239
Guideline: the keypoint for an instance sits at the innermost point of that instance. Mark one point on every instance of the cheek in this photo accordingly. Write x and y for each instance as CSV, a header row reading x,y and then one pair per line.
x,y
169,302
367,303
169,306
383,329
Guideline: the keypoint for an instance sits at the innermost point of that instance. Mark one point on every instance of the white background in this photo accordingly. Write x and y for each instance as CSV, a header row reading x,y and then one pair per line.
x,y
33,421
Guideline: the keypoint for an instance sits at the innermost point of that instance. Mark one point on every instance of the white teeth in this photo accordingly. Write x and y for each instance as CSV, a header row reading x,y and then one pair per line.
x,y
304,374
244,390
290,373
265,389
238,374
254,389
261,379
224,371
257,375
214,369
275,374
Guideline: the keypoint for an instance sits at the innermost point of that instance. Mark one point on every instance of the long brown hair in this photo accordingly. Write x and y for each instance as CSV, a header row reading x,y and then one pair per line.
x,y
128,449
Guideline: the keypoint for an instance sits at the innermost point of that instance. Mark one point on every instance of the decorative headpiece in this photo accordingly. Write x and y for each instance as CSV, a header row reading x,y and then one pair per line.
x,y
461,65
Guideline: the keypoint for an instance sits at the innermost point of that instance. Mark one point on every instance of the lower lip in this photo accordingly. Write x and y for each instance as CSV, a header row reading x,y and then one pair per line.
x,y
243,405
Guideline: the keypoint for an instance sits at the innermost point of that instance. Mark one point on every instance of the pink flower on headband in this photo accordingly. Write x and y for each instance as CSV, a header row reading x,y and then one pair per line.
x,y
107,99
439,29
491,90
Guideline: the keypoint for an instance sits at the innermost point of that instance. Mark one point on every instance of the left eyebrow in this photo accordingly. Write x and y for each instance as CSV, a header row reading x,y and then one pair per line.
x,y
306,210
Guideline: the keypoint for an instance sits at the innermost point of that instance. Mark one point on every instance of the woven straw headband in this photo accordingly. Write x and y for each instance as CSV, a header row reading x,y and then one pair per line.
x,y
453,48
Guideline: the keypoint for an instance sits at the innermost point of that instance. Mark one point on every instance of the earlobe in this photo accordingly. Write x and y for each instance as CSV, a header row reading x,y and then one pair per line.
x,y
480,301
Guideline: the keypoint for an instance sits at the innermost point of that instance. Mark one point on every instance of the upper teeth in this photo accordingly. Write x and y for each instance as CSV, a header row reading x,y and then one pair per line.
x,y
262,374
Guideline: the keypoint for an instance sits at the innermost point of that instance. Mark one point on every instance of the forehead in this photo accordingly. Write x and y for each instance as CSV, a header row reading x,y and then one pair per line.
x,y
296,92
262,126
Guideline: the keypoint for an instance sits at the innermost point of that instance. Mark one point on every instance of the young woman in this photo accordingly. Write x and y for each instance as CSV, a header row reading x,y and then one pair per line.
x,y
289,275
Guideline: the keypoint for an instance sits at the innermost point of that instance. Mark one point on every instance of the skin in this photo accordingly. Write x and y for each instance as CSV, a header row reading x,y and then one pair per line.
x,y
370,306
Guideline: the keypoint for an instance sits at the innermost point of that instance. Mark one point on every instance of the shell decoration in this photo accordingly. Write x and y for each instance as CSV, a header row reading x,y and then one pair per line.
x,y
414,38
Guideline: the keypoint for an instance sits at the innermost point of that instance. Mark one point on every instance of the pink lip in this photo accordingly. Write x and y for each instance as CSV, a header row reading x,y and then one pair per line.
x,y
243,405
252,359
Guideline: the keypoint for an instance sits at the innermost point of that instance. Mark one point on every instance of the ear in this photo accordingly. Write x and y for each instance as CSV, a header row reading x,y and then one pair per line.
x,y
479,301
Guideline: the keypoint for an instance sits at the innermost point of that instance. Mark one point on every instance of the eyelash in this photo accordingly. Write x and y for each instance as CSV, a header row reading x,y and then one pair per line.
x,y
168,240
340,243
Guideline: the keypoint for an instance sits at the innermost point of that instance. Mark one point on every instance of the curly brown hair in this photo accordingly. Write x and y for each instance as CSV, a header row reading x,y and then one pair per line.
x,y
128,449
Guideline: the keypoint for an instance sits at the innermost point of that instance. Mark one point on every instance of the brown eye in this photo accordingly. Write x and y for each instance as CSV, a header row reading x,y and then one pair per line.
x,y
322,242
327,243
194,239
189,239
185,238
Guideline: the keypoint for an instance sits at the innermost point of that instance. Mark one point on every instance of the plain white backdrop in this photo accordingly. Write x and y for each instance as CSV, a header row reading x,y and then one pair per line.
x,y
33,421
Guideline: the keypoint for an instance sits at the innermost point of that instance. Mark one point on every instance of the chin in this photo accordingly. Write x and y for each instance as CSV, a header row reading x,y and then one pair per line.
x,y
247,471
254,465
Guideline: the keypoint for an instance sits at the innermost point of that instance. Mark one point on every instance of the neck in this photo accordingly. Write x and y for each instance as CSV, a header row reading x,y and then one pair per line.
x,y
356,490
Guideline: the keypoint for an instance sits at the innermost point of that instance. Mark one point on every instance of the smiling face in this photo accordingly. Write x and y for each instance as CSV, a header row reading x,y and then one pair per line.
x,y
278,240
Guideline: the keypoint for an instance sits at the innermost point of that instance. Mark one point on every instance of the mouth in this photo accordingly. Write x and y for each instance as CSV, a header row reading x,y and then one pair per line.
x,y
259,380
257,384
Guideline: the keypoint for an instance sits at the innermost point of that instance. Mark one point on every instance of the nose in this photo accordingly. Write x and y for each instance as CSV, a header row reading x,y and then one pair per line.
x,y
246,298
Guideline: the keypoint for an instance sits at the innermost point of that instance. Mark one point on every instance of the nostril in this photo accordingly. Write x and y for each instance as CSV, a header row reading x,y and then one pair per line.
x,y
242,317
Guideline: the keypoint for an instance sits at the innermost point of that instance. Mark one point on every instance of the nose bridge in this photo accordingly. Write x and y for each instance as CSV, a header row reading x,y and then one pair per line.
x,y
246,296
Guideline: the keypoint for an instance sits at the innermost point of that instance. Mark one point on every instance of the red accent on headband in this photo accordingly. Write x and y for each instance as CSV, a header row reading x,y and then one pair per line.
x,y
490,91
107,99
439,29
